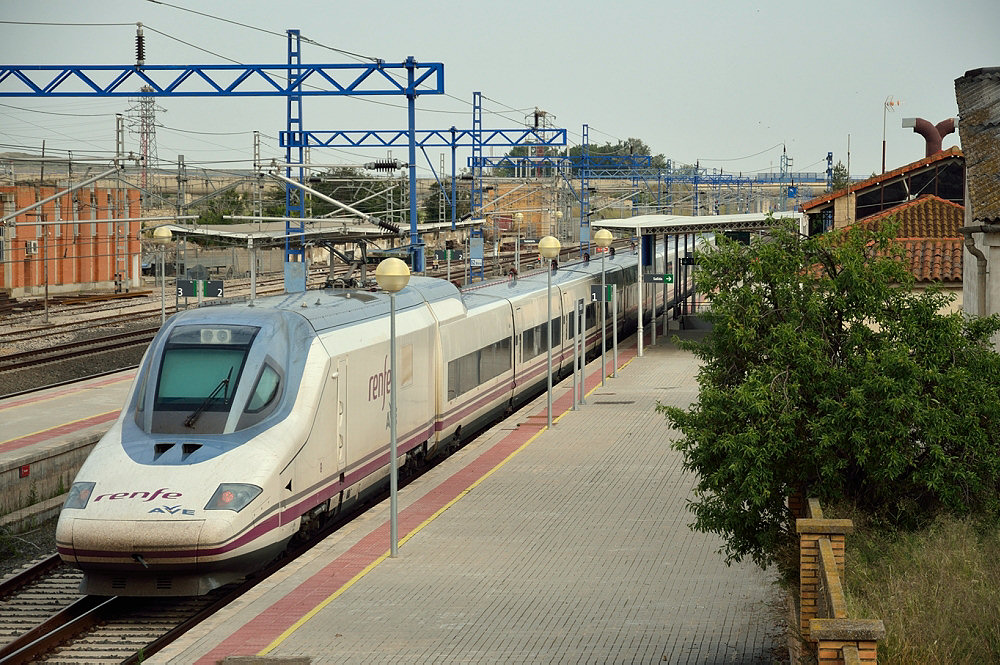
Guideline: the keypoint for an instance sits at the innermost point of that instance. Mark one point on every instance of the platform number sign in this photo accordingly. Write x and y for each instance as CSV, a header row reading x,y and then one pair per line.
x,y
595,293
207,288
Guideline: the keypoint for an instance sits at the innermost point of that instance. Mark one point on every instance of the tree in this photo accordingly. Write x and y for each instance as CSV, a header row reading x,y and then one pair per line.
x,y
630,146
826,374
432,202
841,178
229,202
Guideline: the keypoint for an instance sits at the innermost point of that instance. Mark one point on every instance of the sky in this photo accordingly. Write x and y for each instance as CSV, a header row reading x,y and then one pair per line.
x,y
728,84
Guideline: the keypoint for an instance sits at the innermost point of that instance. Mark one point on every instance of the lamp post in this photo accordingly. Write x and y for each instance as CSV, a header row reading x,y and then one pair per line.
x,y
548,247
162,236
518,218
392,275
603,240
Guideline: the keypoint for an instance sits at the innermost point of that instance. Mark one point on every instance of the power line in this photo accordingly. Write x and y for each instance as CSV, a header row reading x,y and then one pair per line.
x,y
72,115
264,30
736,159
177,39
72,25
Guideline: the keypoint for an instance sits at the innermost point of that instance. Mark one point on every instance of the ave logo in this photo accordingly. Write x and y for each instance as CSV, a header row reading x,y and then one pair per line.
x,y
173,510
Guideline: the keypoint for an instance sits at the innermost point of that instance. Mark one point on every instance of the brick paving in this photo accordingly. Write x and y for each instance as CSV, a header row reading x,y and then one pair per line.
x,y
575,550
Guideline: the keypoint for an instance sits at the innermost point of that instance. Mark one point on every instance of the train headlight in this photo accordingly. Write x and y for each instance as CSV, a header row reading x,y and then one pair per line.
x,y
233,496
79,495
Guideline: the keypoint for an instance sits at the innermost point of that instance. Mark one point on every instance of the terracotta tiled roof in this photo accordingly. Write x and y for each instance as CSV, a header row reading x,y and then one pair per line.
x,y
933,259
926,217
888,175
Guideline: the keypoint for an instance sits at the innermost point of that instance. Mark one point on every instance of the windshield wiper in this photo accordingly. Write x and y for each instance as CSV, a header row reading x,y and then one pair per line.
x,y
224,384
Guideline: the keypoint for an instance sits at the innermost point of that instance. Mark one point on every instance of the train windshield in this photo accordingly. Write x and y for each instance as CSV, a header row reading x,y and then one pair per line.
x,y
199,374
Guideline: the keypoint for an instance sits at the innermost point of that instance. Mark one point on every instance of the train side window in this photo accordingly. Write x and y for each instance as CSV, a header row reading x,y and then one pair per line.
x,y
265,390
475,368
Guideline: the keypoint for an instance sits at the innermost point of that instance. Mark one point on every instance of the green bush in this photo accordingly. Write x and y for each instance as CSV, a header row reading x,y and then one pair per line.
x,y
826,374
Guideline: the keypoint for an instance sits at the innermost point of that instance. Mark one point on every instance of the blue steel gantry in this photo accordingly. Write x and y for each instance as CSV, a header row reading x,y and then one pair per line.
x,y
293,80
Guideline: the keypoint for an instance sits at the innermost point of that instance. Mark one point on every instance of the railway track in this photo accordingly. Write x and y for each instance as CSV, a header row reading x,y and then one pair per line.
x,y
32,595
70,350
65,627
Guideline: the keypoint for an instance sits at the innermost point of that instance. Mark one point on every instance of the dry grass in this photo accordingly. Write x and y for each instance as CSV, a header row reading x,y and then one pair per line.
x,y
936,590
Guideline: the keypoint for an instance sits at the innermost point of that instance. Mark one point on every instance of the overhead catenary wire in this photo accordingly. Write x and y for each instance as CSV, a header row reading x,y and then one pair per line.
x,y
465,102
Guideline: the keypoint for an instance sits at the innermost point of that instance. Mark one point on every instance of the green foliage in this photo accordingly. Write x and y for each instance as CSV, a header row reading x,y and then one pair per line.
x,y
431,203
372,194
841,178
229,202
826,374
630,146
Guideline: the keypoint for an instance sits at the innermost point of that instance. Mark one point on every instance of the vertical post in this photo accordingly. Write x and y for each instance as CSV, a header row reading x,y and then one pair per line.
x,y
604,324
581,340
666,249
576,352
416,251
163,285
548,329
253,270
614,331
393,473
45,266
638,284
652,289
454,200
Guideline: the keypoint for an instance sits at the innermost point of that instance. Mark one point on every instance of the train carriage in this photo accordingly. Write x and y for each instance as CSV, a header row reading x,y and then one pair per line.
x,y
248,424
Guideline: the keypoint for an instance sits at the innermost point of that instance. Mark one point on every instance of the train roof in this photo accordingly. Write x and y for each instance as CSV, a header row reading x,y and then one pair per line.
x,y
325,309
479,295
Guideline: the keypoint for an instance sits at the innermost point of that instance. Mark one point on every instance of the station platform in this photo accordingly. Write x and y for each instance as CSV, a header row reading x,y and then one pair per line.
x,y
529,545
44,438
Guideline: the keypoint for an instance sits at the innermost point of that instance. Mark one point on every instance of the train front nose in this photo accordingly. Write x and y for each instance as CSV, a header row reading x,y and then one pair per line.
x,y
129,544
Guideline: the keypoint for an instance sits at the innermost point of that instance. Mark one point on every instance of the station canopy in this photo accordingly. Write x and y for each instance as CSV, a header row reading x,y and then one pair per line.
x,y
676,224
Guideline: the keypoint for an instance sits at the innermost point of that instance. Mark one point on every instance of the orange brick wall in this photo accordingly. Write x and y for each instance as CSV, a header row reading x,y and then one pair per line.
x,y
83,251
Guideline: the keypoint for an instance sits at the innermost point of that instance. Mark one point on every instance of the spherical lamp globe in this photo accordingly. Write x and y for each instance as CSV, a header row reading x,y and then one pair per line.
x,y
603,238
162,235
549,247
392,275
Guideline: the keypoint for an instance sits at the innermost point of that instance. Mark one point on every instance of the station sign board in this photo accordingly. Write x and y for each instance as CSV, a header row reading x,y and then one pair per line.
x,y
658,278
595,293
207,288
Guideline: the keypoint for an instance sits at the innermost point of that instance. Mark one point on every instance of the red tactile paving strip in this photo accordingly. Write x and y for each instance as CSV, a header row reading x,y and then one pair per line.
x,y
267,626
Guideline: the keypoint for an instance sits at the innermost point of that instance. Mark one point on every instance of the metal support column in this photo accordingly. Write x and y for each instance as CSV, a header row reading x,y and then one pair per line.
x,y
416,248
295,205
585,191
476,204
454,181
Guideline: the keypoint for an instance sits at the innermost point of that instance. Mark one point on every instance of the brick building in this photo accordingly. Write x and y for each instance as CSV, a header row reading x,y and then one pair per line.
x,y
73,243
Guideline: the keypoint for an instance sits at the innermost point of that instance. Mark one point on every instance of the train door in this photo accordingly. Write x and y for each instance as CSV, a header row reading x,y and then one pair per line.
x,y
518,343
341,412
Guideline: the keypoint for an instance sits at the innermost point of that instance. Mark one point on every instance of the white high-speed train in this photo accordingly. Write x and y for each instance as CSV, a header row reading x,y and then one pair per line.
x,y
247,424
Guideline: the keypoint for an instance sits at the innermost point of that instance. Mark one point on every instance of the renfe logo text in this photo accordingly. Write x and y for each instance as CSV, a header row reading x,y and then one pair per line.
x,y
379,383
145,496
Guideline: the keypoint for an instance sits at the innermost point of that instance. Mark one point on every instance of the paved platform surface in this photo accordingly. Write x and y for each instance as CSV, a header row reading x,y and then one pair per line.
x,y
60,415
529,545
